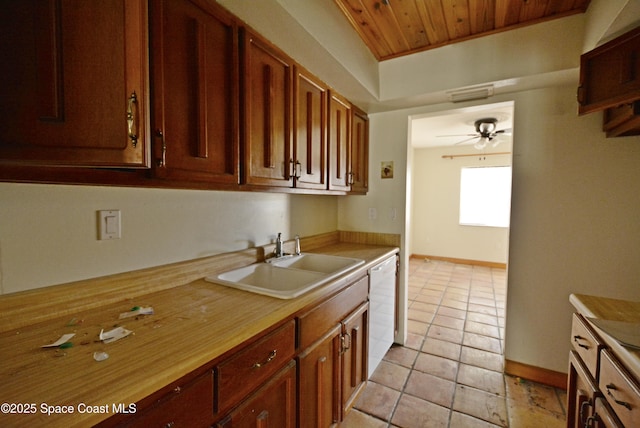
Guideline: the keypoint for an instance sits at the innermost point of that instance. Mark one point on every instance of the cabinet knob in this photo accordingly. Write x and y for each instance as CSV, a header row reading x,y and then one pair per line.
x,y
611,387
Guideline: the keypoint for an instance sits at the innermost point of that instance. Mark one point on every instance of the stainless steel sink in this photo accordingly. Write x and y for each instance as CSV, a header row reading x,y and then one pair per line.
x,y
287,277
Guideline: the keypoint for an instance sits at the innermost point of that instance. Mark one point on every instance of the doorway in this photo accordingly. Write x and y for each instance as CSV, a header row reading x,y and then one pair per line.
x,y
441,147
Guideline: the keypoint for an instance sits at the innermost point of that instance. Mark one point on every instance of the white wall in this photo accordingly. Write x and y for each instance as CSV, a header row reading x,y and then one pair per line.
x,y
435,228
48,233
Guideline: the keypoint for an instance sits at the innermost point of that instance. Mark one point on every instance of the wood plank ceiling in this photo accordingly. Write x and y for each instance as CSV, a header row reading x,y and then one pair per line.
x,y
392,28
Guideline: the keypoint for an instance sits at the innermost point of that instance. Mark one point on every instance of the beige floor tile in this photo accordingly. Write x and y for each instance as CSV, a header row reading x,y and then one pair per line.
x,y
480,404
452,312
357,419
445,333
453,303
431,388
482,379
378,400
392,375
401,355
460,420
483,318
485,343
441,348
482,309
413,412
417,327
414,341
450,322
480,358
425,317
437,366
483,329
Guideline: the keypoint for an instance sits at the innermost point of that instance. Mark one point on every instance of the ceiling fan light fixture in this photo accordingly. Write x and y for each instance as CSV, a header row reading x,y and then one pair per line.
x,y
468,94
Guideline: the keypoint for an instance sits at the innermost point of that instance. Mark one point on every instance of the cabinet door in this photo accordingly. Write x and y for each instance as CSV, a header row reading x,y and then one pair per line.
x,y
581,392
610,74
74,91
267,113
339,142
310,131
273,405
359,175
319,382
603,417
354,355
195,82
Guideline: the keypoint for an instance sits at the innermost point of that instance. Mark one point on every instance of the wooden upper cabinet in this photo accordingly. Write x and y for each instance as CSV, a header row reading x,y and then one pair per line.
x,y
339,142
310,130
195,92
610,74
359,175
267,74
74,83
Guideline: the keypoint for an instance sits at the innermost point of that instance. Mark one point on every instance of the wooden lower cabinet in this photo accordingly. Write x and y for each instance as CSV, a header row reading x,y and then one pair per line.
x,y
355,336
273,405
582,392
333,367
319,380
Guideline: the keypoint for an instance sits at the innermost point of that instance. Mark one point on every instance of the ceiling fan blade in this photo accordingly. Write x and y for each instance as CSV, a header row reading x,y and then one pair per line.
x,y
457,135
504,131
467,139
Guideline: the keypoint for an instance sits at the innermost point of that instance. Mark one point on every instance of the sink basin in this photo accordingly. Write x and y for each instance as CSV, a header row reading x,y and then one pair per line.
x,y
287,277
334,265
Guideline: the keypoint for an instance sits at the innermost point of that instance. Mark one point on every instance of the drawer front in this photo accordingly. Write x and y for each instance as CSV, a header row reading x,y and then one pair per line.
x,y
249,368
621,391
188,405
586,343
315,323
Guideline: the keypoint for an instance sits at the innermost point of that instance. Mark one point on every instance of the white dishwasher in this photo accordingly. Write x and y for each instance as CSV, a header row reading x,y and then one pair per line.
x,y
382,310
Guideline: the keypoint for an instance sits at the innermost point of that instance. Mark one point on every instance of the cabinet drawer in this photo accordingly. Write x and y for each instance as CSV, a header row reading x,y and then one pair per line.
x,y
249,368
315,323
187,405
586,343
620,390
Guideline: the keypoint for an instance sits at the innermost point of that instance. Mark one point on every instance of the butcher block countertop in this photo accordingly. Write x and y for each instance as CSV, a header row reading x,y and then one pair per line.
x,y
604,308
194,323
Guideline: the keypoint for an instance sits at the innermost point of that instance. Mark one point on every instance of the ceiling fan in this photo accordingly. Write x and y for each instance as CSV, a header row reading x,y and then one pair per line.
x,y
485,133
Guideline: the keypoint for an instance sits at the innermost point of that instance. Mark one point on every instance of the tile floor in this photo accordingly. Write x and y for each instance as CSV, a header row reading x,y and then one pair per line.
x,y
450,371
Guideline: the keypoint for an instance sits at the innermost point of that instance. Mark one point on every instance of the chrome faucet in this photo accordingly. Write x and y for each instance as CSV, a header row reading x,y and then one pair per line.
x,y
278,251
297,251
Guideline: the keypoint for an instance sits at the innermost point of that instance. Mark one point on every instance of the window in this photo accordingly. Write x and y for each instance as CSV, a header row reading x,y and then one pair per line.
x,y
485,196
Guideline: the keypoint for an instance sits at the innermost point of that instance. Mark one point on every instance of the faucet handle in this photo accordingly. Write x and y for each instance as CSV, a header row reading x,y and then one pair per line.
x,y
297,251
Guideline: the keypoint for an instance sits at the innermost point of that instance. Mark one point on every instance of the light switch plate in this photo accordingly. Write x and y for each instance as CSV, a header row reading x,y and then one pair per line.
x,y
109,224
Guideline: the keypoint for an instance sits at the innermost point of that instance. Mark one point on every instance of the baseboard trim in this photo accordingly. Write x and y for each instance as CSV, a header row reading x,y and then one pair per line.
x,y
462,261
536,374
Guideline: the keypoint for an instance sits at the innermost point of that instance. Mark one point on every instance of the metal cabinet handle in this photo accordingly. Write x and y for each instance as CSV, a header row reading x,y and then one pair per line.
x,y
346,344
270,358
162,162
577,338
131,119
611,387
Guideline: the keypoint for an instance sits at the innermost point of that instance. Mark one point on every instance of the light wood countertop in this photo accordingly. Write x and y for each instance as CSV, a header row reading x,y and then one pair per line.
x,y
194,323
614,310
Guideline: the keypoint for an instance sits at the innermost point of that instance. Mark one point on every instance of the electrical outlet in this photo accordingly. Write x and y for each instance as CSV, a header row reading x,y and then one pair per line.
x,y
373,213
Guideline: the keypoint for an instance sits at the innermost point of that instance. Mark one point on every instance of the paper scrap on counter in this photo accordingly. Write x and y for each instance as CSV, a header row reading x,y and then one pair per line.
x,y
113,335
626,333
63,339
137,311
